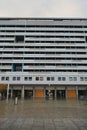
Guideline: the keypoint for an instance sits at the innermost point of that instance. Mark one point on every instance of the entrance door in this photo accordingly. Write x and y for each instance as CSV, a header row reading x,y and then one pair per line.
x,y
71,93
82,94
28,93
61,94
17,93
50,93
39,93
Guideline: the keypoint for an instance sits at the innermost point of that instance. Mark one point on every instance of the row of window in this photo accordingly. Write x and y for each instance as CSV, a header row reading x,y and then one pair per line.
x,y
46,31
41,52
38,78
46,70
44,47
43,36
44,58
46,64
44,26
45,41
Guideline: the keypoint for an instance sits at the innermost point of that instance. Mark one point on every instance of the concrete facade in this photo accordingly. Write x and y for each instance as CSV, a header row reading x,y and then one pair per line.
x,y
42,57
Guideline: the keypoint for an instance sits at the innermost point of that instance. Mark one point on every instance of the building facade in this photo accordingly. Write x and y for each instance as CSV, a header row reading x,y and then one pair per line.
x,y
42,57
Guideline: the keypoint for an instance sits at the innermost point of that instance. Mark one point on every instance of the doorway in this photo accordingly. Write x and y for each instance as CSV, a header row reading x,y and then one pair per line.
x,y
82,94
50,94
61,94
28,94
39,93
17,93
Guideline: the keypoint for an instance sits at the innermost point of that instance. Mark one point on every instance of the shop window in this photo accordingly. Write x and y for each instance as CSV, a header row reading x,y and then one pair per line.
x,y
19,38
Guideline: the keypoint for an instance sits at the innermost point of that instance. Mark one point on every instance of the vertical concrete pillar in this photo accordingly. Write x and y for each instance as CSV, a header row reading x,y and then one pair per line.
x,y
55,92
11,92
22,92
77,92
33,92
44,91
7,92
66,89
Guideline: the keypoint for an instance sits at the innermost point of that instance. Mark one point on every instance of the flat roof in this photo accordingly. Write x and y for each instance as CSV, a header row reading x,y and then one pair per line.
x,y
40,18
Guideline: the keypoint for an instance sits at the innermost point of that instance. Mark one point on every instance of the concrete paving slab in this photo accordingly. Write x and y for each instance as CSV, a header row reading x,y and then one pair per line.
x,y
43,115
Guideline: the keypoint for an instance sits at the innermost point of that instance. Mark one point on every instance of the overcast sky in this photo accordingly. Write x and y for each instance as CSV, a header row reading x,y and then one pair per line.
x,y
43,8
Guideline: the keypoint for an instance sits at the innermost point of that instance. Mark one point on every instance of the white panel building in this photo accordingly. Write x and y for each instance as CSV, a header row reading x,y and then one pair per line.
x,y
42,57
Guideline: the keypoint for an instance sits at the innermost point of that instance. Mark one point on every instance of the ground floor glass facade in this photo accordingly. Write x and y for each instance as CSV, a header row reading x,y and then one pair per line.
x,y
46,91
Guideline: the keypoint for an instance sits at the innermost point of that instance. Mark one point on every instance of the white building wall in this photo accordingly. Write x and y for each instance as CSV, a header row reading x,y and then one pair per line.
x,y
51,48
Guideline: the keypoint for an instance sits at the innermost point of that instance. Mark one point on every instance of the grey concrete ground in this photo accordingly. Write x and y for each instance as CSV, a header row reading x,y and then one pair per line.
x,y
41,114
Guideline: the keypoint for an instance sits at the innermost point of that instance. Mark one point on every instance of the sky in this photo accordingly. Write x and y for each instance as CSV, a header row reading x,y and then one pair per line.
x,y
43,8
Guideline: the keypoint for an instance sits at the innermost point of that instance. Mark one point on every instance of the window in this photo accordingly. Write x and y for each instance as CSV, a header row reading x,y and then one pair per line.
x,y
63,78
52,78
48,78
75,78
19,38
41,78
14,78
2,78
18,78
81,79
30,78
86,39
26,78
37,78
85,78
70,79
7,78
17,67
59,78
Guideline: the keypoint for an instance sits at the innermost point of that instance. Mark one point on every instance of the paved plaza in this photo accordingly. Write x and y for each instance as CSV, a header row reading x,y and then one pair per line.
x,y
42,114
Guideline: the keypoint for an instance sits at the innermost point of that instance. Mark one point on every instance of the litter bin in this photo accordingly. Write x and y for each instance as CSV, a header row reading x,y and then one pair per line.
x,y
16,101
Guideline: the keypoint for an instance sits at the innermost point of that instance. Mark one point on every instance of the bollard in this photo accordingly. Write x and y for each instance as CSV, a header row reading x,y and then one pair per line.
x,y
16,101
